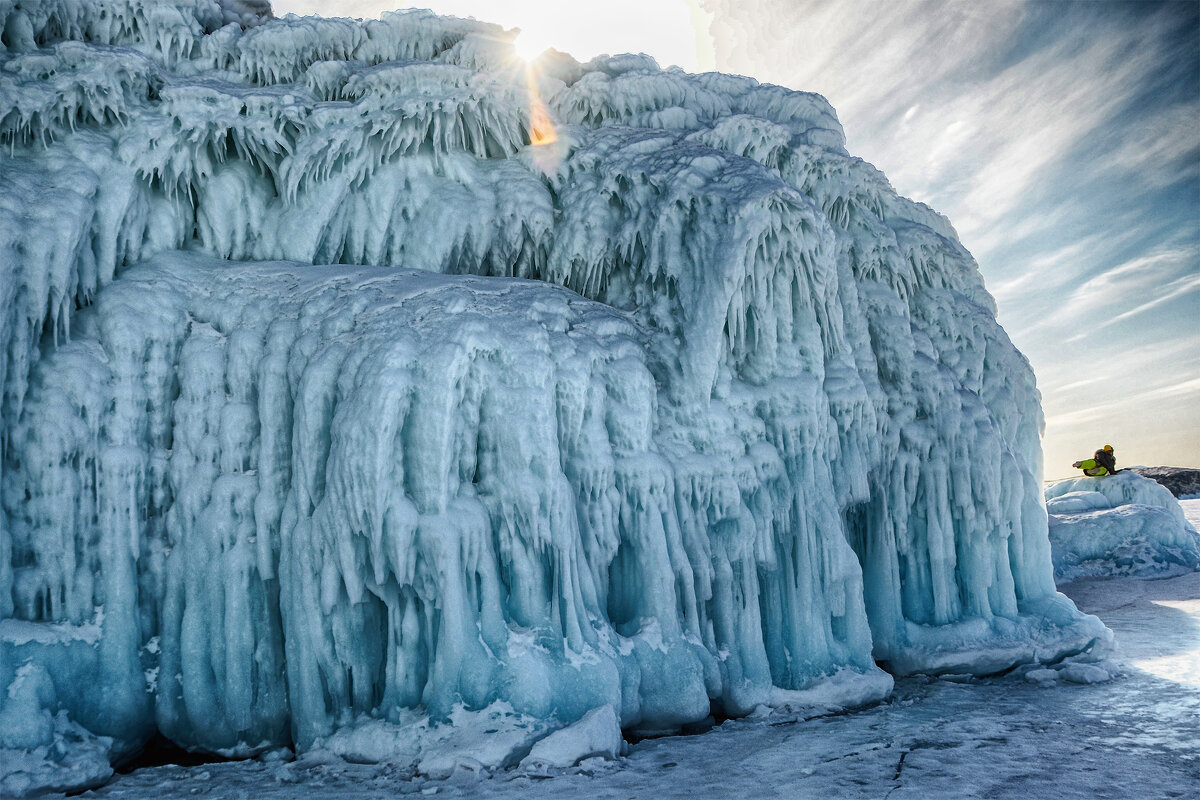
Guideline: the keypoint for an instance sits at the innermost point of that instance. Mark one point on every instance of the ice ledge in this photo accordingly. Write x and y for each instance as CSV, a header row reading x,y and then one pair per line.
x,y
1047,631
18,632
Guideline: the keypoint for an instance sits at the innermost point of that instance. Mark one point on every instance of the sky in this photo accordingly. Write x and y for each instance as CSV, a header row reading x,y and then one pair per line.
x,y
1061,139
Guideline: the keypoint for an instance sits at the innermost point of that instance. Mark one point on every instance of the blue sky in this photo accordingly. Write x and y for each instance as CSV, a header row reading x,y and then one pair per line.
x,y
1062,139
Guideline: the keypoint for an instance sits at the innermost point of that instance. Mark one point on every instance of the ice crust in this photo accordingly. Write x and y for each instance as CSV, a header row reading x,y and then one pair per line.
x,y
327,397
1122,524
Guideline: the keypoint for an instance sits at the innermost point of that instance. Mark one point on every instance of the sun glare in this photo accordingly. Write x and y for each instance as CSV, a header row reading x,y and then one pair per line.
x,y
529,45
673,31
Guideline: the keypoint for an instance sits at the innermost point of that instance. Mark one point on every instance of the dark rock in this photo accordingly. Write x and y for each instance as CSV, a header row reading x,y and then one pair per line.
x,y
1179,480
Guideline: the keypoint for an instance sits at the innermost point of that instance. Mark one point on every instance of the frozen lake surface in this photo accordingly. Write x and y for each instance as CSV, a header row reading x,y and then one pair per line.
x,y
1135,736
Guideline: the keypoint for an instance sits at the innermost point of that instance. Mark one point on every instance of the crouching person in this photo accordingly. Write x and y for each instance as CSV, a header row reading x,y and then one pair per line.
x,y
1103,462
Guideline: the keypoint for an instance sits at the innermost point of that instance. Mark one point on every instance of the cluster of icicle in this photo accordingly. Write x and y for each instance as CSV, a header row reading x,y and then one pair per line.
x,y
685,409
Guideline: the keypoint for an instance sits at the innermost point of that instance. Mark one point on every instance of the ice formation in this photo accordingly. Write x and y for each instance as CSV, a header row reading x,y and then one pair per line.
x,y
1123,524
352,371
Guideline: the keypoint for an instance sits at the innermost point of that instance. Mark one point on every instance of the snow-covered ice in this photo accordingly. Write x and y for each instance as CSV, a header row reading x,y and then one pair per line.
x,y
355,378
1122,524
595,735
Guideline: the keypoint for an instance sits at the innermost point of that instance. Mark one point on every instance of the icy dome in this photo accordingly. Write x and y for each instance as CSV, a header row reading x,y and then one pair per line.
x,y
351,371
1122,524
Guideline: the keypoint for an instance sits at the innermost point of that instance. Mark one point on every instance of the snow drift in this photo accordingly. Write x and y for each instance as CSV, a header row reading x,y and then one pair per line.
x,y
1122,524
328,398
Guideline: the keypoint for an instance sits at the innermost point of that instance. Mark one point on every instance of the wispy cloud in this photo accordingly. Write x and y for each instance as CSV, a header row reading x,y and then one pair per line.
x,y
1097,415
1053,268
1181,287
1125,290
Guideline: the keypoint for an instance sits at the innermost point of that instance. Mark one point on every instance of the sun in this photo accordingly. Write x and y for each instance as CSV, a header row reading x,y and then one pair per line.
x,y
529,44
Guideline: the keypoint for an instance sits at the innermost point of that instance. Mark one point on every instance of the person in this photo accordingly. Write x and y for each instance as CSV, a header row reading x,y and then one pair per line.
x,y
1102,462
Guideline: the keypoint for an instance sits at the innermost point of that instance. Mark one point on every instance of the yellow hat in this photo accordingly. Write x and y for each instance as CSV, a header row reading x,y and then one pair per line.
x,y
1108,447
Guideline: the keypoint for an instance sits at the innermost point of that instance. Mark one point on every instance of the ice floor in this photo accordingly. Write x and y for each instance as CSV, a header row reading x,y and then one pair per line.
x,y
1136,736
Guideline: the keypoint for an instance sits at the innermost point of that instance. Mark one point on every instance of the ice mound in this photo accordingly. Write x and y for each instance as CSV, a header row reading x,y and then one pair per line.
x,y
1122,524
1072,670
352,374
596,735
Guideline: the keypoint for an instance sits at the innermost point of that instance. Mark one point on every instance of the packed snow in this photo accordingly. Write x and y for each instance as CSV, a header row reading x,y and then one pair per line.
x,y
362,388
1122,524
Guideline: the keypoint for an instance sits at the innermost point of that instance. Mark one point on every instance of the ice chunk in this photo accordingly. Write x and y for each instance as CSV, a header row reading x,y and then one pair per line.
x,y
25,719
1077,503
74,760
488,739
1042,677
1084,673
596,734
41,751
1124,488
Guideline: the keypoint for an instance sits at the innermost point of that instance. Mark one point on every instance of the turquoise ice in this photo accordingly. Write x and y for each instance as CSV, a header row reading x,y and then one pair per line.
x,y
328,399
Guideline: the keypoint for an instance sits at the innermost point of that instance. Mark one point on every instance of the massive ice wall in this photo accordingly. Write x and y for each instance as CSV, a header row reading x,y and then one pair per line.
x,y
628,387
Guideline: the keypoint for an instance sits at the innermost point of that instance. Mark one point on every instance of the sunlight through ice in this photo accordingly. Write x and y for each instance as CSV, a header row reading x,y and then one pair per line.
x,y
672,31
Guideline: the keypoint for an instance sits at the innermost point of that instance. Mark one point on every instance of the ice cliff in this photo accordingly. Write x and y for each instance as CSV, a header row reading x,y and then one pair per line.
x,y
351,369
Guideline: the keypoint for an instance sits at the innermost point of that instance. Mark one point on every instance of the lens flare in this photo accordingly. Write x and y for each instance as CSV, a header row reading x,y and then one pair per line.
x,y
541,127
529,44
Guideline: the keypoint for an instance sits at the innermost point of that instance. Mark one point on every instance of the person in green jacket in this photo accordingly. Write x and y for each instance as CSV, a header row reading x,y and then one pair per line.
x,y
1103,462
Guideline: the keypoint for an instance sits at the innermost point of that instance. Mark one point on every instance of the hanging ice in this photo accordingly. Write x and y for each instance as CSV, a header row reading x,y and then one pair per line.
x,y
697,414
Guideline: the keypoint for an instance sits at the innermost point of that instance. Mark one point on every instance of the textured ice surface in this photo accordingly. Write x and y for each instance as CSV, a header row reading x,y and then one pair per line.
x,y
45,751
1008,737
1122,524
486,740
329,399
595,735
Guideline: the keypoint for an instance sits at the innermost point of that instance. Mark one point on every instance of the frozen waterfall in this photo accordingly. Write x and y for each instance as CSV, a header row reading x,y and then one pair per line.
x,y
328,398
